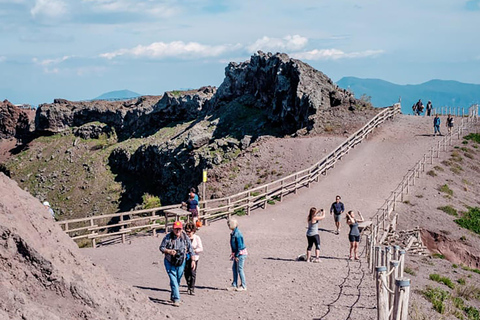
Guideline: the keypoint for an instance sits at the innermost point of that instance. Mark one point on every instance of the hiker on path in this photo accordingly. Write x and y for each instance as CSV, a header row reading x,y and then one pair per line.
x,y
436,125
175,246
419,107
191,273
192,206
238,256
429,108
50,210
449,124
337,208
312,233
354,234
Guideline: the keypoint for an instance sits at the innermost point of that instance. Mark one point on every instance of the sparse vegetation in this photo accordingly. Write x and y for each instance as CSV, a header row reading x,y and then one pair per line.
x,y
449,210
445,280
150,201
410,271
438,168
461,281
470,220
438,256
446,189
475,137
431,173
437,297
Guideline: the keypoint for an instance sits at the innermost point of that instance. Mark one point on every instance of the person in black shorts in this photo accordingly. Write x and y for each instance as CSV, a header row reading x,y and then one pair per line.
x,y
337,209
313,237
354,234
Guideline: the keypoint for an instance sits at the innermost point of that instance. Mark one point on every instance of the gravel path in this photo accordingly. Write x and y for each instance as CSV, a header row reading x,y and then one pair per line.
x,y
279,286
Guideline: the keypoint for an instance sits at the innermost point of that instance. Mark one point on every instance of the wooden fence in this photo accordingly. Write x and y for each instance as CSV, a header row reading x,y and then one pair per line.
x,y
387,264
124,223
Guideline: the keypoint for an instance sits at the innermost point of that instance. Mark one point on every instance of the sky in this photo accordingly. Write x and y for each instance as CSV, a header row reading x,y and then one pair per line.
x,y
80,49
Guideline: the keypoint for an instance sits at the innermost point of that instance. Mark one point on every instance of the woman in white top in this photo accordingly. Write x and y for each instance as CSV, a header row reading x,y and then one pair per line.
x,y
312,233
191,273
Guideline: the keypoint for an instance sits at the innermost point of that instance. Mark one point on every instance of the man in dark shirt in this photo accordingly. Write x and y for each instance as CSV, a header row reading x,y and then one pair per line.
x,y
337,209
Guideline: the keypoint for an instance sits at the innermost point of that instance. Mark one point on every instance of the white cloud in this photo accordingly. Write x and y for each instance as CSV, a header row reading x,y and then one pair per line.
x,y
334,54
51,65
145,7
175,49
50,8
288,43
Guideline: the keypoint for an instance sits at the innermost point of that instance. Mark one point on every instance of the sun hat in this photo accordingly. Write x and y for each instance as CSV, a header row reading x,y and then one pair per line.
x,y
177,225
45,203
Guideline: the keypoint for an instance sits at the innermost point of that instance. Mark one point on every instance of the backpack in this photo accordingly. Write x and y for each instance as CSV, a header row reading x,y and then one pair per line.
x,y
179,257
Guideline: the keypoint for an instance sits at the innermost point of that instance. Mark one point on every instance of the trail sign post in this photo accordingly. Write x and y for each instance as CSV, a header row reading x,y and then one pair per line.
x,y
204,180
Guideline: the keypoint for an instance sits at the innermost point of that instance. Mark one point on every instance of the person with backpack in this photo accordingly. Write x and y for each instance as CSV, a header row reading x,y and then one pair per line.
x,y
449,124
175,246
419,107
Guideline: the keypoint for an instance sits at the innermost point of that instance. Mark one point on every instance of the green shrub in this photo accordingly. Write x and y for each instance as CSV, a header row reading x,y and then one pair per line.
x,y
448,210
445,280
240,212
473,137
454,265
470,220
437,297
438,168
446,189
461,281
472,313
438,256
150,201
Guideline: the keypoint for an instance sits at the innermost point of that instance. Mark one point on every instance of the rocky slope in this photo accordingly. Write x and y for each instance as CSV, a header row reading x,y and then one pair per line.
x,y
14,121
160,145
43,275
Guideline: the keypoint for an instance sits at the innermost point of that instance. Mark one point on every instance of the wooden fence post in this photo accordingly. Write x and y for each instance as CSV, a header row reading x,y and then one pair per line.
x,y
402,263
250,203
402,295
382,293
388,257
396,248
393,275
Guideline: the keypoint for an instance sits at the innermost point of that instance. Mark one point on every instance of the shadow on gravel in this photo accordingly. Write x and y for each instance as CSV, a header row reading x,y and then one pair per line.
x,y
326,230
161,301
150,288
280,259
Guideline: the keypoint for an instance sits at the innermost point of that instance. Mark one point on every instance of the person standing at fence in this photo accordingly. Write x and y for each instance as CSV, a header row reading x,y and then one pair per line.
x,y
49,208
238,256
197,246
192,206
429,108
175,246
436,125
192,190
354,234
312,233
337,208
449,124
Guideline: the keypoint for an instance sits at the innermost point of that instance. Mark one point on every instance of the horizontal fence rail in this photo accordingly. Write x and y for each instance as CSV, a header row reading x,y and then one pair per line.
x,y
124,223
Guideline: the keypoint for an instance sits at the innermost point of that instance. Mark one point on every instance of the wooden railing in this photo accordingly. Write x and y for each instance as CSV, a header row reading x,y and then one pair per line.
x,y
123,223
392,288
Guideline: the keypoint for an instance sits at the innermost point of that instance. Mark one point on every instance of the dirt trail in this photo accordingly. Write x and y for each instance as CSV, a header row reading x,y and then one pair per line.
x,y
278,286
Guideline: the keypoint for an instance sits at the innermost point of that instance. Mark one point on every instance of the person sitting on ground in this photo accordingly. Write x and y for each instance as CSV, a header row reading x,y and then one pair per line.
x,y
238,256
436,125
337,208
50,210
191,273
312,233
354,234
449,124
175,246
192,206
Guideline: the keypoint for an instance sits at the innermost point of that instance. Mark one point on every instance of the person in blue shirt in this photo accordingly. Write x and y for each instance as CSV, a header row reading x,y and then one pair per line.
x,y
436,125
238,256
337,208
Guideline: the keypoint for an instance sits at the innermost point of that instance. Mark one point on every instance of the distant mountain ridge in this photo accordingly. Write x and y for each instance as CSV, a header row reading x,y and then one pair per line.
x,y
440,92
118,95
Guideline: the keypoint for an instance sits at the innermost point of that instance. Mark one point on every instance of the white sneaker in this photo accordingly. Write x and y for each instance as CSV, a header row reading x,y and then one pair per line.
x,y
241,289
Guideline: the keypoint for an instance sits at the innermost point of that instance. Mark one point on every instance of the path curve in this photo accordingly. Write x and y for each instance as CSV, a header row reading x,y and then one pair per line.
x,y
278,286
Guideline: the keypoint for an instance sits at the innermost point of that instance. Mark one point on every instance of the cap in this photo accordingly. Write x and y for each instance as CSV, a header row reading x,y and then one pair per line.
x,y
177,225
45,203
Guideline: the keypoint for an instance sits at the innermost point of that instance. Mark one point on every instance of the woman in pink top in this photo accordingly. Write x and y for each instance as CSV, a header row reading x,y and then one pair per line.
x,y
191,273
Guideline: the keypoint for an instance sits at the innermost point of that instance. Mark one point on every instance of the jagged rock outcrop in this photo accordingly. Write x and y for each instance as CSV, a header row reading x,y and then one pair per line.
x,y
43,274
93,131
294,94
138,117
14,122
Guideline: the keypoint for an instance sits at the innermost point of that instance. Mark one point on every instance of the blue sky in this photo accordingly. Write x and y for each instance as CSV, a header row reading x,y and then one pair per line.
x,y
79,49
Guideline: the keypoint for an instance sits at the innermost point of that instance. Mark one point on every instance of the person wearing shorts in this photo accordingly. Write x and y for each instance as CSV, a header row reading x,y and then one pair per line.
x,y
313,238
337,209
354,234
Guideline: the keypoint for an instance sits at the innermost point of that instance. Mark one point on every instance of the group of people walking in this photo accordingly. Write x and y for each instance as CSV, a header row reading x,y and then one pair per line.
x,y
182,246
337,209
418,108
436,124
